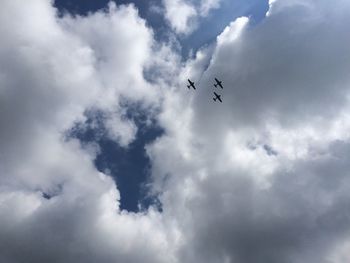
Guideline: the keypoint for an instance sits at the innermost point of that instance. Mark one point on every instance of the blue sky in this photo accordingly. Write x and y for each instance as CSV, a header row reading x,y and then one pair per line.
x,y
129,166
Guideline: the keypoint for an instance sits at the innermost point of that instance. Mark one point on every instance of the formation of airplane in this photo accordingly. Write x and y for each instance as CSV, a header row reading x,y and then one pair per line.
x,y
217,97
191,84
217,84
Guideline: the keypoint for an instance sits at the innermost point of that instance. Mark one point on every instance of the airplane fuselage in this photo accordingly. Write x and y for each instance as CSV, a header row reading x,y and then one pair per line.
x,y
217,97
191,84
218,83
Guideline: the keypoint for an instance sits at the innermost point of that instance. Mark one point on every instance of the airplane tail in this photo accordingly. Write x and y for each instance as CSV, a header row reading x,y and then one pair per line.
x,y
214,99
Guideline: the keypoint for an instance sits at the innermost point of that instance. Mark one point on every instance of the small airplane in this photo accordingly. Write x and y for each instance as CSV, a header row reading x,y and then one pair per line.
x,y
218,83
217,97
191,85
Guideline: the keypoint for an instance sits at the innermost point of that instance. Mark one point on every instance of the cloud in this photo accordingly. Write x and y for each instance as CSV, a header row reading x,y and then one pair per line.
x,y
207,5
183,15
55,205
285,89
262,176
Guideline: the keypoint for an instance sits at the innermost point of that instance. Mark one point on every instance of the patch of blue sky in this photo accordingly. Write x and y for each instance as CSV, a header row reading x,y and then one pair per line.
x,y
129,166
216,21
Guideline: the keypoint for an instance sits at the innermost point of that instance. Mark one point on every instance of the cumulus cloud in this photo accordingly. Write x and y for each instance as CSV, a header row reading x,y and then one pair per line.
x,y
55,205
264,175
261,177
183,15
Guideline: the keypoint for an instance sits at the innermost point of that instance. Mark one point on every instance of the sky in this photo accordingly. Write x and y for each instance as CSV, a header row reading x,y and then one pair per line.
x,y
106,155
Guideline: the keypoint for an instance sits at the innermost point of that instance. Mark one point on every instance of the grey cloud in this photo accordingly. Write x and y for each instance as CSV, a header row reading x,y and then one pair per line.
x,y
285,90
301,217
285,86
52,70
288,67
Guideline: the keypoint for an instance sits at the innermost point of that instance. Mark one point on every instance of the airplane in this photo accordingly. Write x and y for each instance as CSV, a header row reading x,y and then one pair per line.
x,y
217,97
218,83
191,85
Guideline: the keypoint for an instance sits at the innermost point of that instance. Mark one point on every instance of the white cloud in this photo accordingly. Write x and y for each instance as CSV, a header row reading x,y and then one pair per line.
x,y
52,70
180,14
286,91
207,5
262,176
183,15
